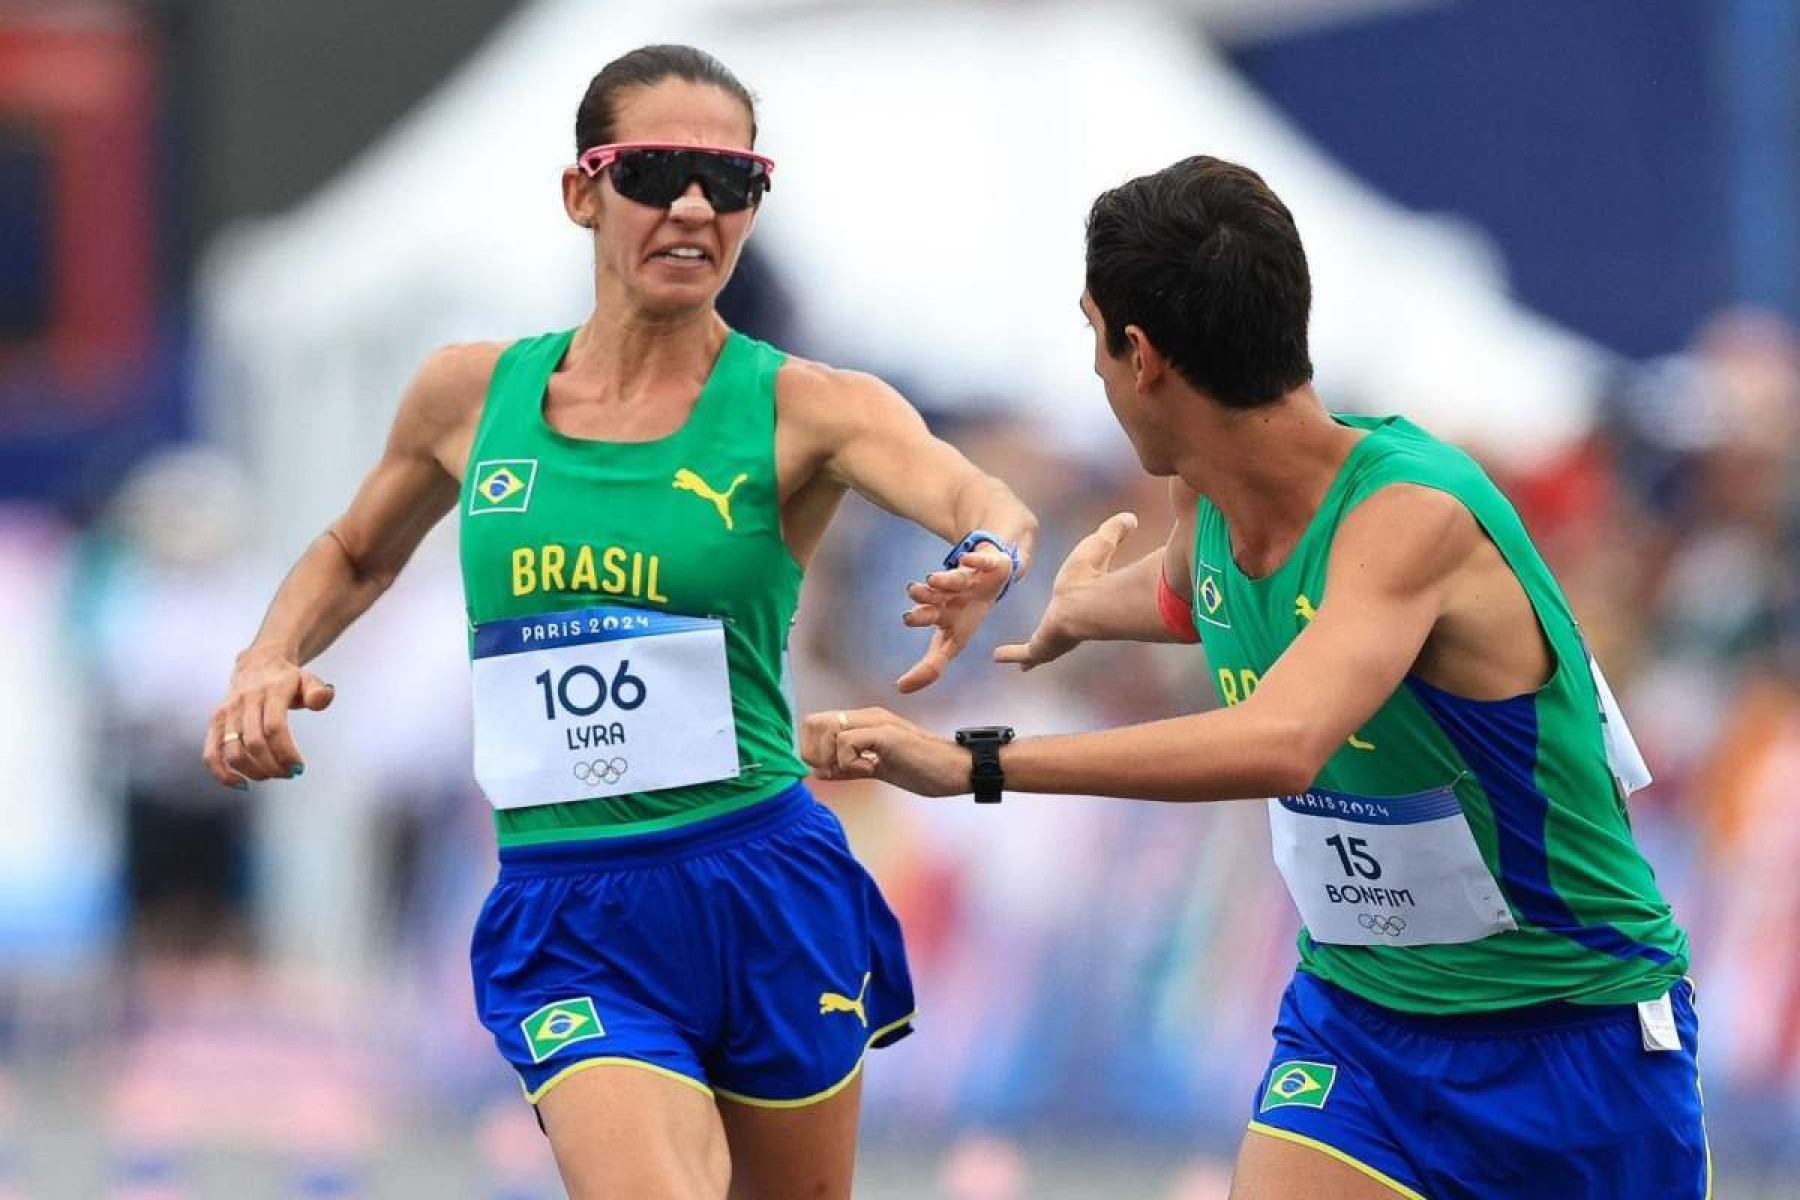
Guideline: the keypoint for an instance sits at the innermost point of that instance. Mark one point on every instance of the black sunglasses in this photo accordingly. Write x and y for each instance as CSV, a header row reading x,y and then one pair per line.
x,y
657,173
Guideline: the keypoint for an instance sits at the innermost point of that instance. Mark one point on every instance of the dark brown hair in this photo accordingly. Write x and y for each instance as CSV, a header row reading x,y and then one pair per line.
x,y
596,120
1206,260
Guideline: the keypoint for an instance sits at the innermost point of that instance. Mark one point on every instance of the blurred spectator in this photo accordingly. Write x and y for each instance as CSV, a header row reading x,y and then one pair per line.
x,y
168,592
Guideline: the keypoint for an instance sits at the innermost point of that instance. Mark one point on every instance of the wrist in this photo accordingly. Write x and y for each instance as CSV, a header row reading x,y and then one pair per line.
x,y
987,776
986,537
262,655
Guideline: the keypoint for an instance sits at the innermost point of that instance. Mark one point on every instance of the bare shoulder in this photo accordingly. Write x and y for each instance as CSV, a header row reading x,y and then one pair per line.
x,y
446,393
1409,533
1426,513
456,375
813,390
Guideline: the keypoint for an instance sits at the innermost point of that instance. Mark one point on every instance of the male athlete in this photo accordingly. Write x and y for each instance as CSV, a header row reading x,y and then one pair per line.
x,y
1490,998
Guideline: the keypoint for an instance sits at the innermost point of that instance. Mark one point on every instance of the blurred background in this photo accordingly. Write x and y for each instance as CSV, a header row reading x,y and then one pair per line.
x,y
1564,232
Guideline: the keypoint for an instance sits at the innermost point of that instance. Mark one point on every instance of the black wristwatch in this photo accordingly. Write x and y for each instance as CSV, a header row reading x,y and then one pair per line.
x,y
986,777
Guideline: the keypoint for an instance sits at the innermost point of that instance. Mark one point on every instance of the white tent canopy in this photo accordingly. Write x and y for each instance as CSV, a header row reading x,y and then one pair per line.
x,y
937,162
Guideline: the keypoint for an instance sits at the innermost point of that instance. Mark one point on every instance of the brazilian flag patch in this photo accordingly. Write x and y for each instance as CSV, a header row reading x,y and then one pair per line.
x,y
502,485
1209,597
1297,1084
559,1024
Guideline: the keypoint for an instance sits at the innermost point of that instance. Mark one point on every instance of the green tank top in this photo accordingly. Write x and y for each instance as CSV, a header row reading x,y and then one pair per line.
x,y
1530,774
687,524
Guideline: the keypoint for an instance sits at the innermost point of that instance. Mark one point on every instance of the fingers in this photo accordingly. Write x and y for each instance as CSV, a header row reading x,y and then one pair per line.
x,y
922,616
986,560
213,753
241,741
315,694
859,753
1020,654
1097,549
270,744
943,595
929,669
821,741
976,570
249,737
818,741
812,738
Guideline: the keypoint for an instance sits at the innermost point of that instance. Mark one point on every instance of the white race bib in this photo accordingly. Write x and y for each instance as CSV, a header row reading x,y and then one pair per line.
x,y
1385,871
1622,753
600,702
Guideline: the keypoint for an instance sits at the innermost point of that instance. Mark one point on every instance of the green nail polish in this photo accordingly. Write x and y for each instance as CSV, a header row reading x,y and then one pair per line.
x,y
297,770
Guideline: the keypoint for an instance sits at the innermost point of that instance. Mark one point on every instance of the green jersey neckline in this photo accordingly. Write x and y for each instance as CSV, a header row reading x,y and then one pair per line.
x,y
1339,482
704,401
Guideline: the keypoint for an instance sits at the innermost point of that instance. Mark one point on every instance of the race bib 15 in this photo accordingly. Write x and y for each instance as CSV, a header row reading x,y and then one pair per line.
x,y
1385,870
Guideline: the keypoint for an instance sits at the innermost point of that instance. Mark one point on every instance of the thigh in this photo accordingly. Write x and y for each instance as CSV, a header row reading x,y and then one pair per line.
x,y
625,1132
806,1152
1273,1167
1325,1117
815,970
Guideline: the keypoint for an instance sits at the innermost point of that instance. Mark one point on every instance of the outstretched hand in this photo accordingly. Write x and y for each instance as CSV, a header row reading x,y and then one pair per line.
x,y
1060,628
248,737
873,743
953,603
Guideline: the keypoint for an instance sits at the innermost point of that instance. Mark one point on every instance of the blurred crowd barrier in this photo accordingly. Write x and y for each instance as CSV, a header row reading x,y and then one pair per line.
x,y
1090,973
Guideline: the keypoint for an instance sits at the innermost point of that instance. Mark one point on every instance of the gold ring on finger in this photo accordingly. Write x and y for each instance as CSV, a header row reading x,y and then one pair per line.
x,y
843,719
231,735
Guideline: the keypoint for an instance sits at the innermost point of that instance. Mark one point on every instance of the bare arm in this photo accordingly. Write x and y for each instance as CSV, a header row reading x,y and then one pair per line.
x,y
1091,602
870,440
1389,579
880,447
345,570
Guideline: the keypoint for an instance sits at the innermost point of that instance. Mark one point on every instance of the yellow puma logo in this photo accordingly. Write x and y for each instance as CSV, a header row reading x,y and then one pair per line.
x,y
836,1002
1303,608
687,481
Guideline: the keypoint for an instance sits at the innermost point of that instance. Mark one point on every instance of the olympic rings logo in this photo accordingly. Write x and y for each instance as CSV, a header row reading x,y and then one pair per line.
x,y
606,771
1388,926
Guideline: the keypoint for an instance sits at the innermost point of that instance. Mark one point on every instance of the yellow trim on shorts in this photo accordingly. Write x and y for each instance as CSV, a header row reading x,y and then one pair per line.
x,y
834,1089
1300,1139
613,1061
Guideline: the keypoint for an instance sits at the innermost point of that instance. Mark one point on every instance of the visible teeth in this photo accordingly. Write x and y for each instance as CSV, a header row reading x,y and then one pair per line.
x,y
686,252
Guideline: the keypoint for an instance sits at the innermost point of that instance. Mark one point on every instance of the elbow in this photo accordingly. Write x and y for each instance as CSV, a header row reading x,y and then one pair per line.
x,y
364,576
1288,773
1292,759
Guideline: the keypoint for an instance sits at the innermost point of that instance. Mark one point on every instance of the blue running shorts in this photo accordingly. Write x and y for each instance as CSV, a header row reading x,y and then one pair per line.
x,y
749,955
1551,1102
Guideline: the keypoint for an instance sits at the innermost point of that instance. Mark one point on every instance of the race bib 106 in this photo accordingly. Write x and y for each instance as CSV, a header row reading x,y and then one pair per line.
x,y
600,702
1385,870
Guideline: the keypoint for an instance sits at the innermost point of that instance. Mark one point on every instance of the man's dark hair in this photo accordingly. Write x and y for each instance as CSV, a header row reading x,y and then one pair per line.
x,y
1205,259
596,121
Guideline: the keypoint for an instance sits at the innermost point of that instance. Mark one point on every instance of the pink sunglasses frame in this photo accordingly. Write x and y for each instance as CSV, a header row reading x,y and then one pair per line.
x,y
596,159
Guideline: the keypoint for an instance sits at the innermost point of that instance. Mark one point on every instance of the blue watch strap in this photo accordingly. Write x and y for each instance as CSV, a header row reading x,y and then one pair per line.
x,y
973,539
